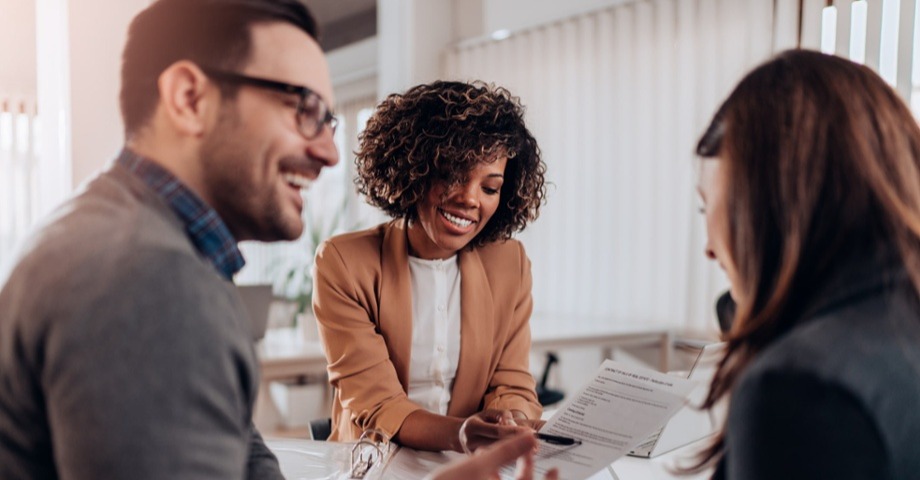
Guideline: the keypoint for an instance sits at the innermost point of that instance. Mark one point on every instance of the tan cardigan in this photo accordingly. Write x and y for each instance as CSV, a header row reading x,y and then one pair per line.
x,y
363,304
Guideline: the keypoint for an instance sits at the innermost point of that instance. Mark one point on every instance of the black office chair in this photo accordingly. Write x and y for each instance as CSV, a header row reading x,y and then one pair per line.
x,y
725,311
320,429
547,396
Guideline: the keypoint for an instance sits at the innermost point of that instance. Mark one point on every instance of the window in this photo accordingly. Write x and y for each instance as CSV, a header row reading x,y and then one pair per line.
x,y
18,160
881,34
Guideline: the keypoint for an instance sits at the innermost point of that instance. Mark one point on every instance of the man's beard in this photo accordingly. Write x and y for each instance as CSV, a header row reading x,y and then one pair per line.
x,y
250,211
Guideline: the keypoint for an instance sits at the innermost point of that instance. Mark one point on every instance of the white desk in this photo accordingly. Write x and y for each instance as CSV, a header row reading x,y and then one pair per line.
x,y
555,332
662,467
284,355
308,459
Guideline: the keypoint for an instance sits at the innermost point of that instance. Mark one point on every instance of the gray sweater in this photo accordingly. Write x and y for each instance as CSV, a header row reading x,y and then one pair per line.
x,y
123,353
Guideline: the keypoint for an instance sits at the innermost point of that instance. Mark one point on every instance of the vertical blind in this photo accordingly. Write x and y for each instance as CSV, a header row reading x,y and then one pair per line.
x,y
882,34
617,99
18,181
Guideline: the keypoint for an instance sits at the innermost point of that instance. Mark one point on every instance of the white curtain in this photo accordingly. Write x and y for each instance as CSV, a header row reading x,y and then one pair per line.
x,y
617,99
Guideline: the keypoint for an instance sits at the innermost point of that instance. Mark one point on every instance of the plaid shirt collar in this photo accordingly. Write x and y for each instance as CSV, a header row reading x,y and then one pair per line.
x,y
203,226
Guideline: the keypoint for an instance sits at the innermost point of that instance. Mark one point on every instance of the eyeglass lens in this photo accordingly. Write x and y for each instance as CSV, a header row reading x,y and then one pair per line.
x,y
314,115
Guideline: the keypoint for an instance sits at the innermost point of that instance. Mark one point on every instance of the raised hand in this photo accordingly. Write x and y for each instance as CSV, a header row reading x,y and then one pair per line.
x,y
488,461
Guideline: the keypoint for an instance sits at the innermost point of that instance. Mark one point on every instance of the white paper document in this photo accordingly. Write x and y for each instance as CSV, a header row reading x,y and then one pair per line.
x,y
618,409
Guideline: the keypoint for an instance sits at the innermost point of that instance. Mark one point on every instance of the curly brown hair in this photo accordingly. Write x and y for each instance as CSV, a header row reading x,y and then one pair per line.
x,y
440,132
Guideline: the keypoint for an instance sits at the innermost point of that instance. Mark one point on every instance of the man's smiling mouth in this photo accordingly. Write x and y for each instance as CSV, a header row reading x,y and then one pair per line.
x,y
297,180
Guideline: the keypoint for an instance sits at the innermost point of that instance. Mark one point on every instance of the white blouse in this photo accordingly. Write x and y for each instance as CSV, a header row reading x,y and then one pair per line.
x,y
435,332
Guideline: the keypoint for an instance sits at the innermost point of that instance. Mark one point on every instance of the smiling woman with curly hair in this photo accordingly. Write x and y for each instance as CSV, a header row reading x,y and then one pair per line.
x,y
440,133
425,319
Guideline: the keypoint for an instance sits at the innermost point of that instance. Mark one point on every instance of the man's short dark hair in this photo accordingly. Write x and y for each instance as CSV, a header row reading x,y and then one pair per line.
x,y
215,33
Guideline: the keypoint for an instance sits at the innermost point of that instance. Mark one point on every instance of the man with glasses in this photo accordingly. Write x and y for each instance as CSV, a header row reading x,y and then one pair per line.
x,y
124,349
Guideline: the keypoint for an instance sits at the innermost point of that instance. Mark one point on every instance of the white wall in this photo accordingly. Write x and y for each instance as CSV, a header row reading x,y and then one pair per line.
x,y
96,40
412,34
518,14
17,47
353,69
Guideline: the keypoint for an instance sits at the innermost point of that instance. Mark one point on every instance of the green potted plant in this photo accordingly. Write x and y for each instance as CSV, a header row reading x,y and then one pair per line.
x,y
295,281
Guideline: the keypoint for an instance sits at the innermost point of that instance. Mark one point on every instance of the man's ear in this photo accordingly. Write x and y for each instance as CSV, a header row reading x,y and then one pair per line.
x,y
188,97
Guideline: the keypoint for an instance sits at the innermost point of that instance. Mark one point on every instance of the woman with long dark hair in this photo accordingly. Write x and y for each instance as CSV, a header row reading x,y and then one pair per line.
x,y
811,184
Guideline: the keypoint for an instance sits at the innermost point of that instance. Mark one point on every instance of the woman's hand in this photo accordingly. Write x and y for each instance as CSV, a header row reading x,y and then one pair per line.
x,y
535,424
488,426
487,462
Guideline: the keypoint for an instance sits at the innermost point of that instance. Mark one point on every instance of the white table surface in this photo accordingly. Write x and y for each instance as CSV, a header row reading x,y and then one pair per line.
x,y
315,460
661,467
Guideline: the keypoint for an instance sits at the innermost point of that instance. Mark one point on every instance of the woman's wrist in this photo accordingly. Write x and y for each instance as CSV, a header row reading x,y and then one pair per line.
x,y
453,426
453,429
461,437
424,430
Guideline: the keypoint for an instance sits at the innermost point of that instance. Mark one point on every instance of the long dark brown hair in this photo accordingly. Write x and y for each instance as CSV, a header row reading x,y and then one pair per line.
x,y
822,162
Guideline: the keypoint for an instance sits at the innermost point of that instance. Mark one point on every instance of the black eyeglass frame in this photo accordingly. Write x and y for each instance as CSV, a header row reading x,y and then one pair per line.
x,y
303,92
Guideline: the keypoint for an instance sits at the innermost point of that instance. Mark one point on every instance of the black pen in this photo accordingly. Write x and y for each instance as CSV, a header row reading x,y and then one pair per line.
x,y
557,440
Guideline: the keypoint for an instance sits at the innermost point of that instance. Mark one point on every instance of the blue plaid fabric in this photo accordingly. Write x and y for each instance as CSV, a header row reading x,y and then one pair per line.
x,y
204,227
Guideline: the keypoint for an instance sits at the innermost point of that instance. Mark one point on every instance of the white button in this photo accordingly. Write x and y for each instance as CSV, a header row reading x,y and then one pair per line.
x,y
440,308
441,348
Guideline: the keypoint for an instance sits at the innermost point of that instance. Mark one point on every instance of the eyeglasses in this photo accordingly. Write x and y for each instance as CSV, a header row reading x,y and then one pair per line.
x,y
312,112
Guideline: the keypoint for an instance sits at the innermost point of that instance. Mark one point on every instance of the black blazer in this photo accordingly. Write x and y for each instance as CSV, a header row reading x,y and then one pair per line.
x,y
838,396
